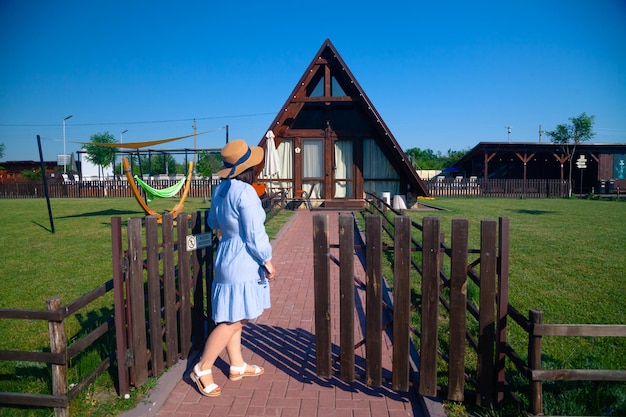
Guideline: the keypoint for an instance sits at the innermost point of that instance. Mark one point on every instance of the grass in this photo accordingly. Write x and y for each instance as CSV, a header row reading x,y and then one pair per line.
x,y
567,259
38,265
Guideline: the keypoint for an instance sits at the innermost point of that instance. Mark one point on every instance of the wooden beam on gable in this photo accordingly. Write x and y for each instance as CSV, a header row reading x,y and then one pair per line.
x,y
328,67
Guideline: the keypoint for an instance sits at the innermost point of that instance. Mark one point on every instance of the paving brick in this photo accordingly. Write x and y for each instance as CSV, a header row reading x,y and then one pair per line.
x,y
282,340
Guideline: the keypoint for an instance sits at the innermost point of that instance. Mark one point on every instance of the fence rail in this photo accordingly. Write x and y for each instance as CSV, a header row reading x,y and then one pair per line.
x,y
439,266
61,352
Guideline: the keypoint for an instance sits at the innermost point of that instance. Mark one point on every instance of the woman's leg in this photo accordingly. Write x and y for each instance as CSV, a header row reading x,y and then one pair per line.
x,y
218,340
233,348
235,356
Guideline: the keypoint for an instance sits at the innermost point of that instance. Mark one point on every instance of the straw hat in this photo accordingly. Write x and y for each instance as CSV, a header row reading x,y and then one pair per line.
x,y
237,157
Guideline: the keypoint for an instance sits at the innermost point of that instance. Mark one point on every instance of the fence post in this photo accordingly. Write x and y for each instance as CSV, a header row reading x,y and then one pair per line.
x,y
401,303
430,307
321,291
58,344
209,274
120,314
169,290
458,309
487,312
373,301
184,285
346,294
534,362
136,301
154,295
199,259
503,306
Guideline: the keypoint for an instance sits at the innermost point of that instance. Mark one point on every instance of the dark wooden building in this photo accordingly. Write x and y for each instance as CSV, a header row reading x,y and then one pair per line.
x,y
605,164
333,144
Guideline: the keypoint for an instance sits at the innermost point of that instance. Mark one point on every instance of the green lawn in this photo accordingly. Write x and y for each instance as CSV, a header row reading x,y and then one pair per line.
x,y
568,259
37,265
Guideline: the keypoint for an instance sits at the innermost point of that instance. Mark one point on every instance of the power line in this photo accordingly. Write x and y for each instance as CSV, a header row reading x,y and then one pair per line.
x,y
140,122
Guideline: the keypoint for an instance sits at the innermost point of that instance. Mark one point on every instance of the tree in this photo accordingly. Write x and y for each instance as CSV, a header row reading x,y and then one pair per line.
x,y
160,163
103,156
1,154
34,175
208,163
428,159
570,135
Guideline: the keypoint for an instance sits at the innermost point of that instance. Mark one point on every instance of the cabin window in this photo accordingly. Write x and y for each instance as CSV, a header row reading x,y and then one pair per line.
x,y
379,174
336,90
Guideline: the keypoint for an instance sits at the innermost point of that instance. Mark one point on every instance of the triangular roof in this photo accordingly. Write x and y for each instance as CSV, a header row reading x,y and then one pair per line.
x,y
328,80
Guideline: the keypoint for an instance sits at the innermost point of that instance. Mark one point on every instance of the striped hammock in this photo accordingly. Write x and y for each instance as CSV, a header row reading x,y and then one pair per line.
x,y
164,193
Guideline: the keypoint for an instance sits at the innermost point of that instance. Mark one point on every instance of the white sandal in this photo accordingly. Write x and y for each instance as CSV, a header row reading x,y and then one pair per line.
x,y
211,390
238,372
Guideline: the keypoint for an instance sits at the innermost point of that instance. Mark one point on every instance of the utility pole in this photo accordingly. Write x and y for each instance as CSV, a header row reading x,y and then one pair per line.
x,y
226,133
195,148
64,154
540,133
122,141
508,128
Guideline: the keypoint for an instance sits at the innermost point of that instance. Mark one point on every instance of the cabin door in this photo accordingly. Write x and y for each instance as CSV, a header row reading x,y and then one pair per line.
x,y
313,170
342,170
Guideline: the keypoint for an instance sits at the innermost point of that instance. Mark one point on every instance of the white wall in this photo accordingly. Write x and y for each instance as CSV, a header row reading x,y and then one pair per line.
x,y
90,170
427,174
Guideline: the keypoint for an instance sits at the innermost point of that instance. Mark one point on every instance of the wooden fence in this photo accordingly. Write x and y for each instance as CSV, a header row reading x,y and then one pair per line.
x,y
536,330
161,305
61,352
431,273
443,272
503,188
162,293
85,189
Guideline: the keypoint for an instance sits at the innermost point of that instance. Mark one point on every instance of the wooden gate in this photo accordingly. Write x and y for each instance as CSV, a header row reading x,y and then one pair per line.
x,y
161,301
424,257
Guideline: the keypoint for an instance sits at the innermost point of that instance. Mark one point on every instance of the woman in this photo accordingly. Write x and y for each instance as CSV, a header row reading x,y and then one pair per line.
x,y
242,265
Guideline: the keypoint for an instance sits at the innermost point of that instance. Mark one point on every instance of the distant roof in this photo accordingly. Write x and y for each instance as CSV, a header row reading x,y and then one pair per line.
x,y
482,147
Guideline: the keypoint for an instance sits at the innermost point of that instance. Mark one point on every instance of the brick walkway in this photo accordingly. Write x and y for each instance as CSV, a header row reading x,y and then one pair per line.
x,y
282,340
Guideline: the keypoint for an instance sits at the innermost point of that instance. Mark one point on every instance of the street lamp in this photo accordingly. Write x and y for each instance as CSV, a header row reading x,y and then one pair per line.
x,y
64,153
122,141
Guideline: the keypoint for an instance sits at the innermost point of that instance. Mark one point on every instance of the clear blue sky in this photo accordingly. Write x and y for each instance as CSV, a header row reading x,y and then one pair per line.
x,y
443,75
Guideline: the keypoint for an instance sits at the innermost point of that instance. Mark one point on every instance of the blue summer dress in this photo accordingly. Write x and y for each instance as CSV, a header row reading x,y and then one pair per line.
x,y
240,289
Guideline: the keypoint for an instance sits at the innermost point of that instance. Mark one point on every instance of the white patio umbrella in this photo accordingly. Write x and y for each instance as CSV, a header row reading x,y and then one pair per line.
x,y
271,167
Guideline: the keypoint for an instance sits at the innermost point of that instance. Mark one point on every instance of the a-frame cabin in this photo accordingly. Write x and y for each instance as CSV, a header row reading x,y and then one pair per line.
x,y
333,144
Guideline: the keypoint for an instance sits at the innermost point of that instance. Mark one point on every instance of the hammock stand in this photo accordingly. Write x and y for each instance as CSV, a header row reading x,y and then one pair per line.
x,y
177,209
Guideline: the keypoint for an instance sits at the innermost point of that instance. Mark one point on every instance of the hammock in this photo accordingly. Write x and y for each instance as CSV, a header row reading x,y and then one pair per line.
x,y
164,193
178,208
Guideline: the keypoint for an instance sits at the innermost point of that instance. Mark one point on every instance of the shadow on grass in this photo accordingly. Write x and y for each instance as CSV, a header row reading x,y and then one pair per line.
x,y
533,212
47,229
108,212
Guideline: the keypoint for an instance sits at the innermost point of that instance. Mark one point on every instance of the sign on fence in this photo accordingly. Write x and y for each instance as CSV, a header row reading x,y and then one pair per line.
x,y
202,240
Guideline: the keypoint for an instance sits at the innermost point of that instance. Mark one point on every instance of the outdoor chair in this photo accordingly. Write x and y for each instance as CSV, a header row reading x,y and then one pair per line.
x,y
301,196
